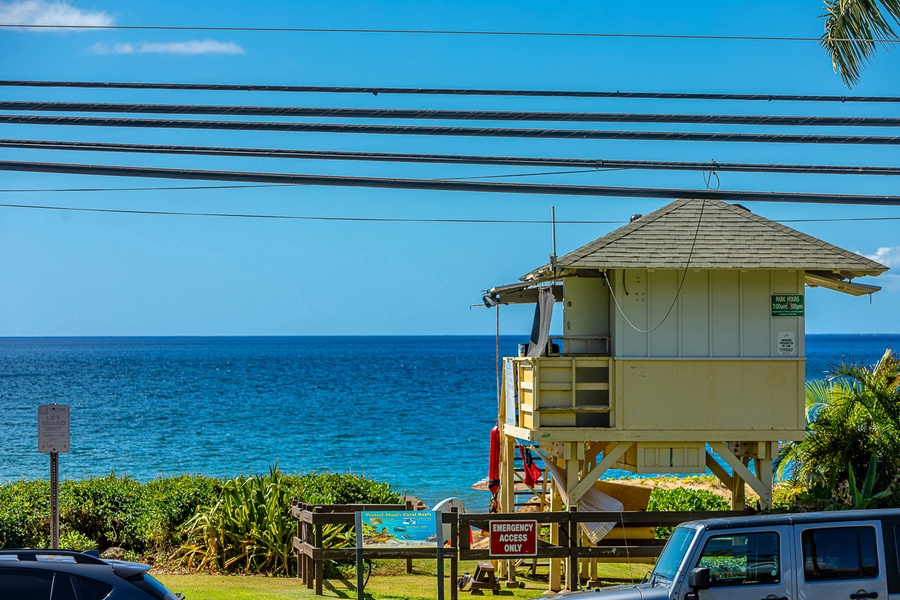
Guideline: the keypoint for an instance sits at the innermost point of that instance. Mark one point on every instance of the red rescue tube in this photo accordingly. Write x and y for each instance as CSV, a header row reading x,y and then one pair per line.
x,y
494,470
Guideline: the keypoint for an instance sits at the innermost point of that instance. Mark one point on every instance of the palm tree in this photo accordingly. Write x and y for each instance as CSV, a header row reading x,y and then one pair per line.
x,y
853,422
854,29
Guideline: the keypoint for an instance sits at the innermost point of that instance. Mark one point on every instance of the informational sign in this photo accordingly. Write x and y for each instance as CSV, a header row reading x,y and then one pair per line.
x,y
389,529
514,538
787,305
787,345
53,428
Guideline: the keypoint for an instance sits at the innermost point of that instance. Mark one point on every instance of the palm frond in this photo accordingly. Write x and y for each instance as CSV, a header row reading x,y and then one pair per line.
x,y
854,30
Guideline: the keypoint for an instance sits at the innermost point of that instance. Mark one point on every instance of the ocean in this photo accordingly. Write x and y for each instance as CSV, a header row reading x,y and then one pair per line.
x,y
413,411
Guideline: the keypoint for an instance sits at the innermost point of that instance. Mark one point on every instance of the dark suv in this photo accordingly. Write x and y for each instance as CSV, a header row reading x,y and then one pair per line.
x,y
68,575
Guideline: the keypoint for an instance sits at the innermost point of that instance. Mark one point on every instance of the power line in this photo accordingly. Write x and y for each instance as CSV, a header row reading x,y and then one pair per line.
x,y
447,185
447,91
140,188
356,219
586,134
303,217
591,163
563,34
449,115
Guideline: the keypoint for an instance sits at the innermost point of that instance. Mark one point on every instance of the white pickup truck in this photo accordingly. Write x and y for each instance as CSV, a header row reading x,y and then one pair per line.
x,y
806,556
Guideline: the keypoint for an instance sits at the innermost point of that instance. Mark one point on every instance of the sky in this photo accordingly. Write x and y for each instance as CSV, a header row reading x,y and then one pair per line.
x,y
336,267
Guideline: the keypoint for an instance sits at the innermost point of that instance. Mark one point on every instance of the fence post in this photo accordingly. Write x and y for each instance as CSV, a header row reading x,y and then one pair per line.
x,y
455,535
318,565
299,555
572,561
360,576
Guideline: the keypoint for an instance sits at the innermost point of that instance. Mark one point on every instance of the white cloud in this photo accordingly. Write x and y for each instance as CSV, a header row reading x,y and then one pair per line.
x,y
42,12
104,48
889,257
190,47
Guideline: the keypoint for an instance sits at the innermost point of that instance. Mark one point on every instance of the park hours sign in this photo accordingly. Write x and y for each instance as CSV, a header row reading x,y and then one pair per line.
x,y
53,428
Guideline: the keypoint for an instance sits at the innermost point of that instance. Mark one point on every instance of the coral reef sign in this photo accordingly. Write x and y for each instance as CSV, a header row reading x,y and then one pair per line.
x,y
390,529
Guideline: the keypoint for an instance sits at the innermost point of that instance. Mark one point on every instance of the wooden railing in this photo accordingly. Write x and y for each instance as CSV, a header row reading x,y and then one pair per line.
x,y
312,519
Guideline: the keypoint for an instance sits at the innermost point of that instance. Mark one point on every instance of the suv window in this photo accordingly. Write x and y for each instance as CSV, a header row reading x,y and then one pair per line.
x,y
742,559
150,585
62,588
839,553
22,583
91,589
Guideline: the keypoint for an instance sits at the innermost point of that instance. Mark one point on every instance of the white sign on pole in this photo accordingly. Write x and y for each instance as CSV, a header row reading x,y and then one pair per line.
x,y
53,428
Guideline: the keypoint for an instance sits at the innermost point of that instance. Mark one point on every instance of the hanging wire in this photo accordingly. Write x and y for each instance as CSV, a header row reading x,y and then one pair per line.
x,y
677,292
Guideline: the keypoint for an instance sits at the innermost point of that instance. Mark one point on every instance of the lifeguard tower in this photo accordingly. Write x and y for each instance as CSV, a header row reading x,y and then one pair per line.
x,y
683,338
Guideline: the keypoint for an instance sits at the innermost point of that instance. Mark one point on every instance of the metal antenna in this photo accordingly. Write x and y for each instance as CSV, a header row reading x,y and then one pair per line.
x,y
553,233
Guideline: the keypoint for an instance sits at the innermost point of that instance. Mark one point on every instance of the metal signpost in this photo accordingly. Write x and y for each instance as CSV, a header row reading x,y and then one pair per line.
x,y
53,438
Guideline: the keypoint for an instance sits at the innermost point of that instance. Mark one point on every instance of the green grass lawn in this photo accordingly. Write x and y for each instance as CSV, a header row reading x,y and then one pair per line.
x,y
388,582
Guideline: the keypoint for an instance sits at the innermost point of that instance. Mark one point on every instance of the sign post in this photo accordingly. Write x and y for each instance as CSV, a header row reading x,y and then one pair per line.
x,y
53,438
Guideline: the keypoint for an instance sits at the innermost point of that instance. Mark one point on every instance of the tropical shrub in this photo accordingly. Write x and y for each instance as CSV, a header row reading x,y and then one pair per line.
x,y
249,528
25,514
150,521
107,510
853,426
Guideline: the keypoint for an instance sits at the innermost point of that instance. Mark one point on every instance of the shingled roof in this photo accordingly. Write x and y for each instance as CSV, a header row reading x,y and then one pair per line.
x,y
710,234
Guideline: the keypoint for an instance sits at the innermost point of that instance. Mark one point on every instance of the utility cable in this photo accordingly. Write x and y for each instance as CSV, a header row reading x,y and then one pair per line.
x,y
503,132
449,32
126,211
375,90
687,264
351,219
449,115
446,185
524,161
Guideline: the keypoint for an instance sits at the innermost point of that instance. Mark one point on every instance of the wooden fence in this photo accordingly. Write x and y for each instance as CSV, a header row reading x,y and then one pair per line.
x,y
569,548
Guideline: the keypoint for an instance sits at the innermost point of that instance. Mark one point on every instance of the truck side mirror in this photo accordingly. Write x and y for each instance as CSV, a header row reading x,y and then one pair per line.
x,y
698,579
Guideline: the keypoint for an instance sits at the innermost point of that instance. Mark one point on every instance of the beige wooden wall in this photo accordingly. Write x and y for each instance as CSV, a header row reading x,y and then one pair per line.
x,y
718,313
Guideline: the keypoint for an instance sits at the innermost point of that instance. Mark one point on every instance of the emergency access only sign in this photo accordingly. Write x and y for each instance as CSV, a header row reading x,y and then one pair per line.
x,y
514,538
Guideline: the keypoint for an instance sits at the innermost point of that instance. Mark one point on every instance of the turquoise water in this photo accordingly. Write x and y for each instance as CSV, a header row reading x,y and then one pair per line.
x,y
413,411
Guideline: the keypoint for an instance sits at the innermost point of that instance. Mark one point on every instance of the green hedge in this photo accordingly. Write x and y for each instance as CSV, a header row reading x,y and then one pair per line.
x,y
686,499
148,520
683,499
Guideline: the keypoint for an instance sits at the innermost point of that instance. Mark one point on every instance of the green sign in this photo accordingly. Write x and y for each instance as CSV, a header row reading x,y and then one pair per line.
x,y
787,305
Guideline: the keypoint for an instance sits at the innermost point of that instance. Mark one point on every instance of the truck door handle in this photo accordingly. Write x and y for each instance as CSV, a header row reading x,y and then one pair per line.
x,y
774,597
863,594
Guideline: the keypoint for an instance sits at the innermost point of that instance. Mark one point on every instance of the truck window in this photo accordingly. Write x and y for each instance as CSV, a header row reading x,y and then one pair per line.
x,y
742,559
839,553
673,553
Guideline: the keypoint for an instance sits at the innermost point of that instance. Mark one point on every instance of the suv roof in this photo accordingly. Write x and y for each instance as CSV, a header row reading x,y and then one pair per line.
x,y
121,568
120,579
